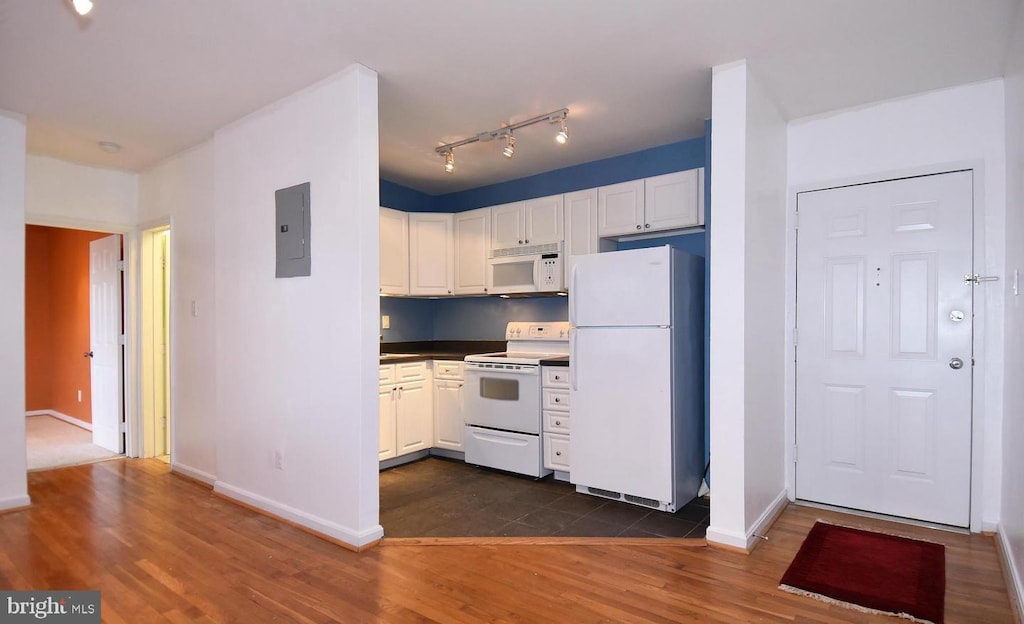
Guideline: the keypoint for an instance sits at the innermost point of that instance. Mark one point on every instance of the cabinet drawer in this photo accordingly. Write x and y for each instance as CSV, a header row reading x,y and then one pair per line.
x,y
387,374
556,451
410,371
556,422
555,399
444,369
556,376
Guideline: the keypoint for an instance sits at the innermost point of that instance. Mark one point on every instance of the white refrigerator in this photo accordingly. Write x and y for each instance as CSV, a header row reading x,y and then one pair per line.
x,y
637,376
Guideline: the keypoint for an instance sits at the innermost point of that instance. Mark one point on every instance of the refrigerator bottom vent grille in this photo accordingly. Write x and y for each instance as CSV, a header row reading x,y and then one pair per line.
x,y
605,493
639,500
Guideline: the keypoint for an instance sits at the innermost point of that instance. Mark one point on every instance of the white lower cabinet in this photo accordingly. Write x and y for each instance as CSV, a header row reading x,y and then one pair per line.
x,y
555,422
406,410
448,405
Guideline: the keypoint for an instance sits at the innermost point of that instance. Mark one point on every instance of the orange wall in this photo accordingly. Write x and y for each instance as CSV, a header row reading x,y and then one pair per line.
x,y
57,337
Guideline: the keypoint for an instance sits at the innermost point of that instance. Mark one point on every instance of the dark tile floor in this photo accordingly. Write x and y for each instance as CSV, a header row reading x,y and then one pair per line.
x,y
436,497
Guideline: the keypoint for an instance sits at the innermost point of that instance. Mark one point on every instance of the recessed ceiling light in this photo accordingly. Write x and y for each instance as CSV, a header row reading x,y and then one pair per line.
x,y
82,7
110,147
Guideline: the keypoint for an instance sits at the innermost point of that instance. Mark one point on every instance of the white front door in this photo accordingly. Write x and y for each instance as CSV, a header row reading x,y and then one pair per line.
x,y
884,347
104,341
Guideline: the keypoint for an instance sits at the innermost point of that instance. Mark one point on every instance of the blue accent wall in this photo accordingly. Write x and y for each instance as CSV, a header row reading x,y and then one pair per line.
x,y
484,318
403,198
411,319
644,164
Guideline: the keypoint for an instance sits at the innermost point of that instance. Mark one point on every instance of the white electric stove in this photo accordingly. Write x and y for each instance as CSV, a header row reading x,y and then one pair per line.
x,y
503,398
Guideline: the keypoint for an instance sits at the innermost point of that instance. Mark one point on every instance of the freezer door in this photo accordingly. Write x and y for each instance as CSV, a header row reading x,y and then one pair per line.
x,y
620,392
621,288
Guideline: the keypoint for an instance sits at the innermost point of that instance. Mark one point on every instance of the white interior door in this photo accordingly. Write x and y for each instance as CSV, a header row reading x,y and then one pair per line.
x,y
883,419
104,343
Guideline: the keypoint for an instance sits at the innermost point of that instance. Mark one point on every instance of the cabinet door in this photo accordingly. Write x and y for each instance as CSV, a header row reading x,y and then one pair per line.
x,y
508,225
448,419
675,200
543,220
430,254
414,418
580,226
387,423
620,208
472,246
394,252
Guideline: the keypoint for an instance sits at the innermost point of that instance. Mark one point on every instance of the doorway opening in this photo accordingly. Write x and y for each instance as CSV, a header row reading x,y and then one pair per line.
x,y
155,350
73,346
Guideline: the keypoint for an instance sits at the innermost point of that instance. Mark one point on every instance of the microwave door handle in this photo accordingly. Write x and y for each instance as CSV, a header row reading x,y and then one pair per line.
x,y
536,274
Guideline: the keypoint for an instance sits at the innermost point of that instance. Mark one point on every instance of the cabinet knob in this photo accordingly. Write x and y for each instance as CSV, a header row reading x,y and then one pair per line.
x,y
558,400
559,453
485,290
520,241
558,423
557,377
527,241
449,291
647,225
638,226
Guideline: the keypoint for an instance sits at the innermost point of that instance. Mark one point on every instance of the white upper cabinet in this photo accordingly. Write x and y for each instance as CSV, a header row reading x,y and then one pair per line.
x,y
394,252
543,219
674,200
666,202
532,222
431,254
580,226
508,225
472,246
620,209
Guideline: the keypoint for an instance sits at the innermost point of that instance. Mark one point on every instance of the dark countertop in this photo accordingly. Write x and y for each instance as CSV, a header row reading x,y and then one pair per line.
x,y
558,361
438,349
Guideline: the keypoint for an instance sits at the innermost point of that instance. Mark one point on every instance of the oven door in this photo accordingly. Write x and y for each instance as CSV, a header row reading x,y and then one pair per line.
x,y
505,400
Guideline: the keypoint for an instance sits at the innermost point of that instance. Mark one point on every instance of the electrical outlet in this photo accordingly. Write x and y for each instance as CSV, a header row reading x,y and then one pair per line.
x,y
79,396
278,460
385,321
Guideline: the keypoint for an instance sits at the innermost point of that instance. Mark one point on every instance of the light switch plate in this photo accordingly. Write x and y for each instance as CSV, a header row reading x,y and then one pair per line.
x,y
385,322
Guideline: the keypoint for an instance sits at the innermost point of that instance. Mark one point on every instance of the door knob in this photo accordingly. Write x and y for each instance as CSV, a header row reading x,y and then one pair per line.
x,y
956,363
87,354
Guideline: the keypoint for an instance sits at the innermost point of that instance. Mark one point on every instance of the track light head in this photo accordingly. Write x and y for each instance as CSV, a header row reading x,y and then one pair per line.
x,y
449,162
82,7
563,135
510,146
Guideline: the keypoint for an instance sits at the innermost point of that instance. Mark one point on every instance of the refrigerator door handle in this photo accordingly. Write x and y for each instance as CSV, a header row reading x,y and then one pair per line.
x,y
572,289
574,364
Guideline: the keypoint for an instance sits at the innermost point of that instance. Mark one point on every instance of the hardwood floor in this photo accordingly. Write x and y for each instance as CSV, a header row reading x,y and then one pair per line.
x,y
164,549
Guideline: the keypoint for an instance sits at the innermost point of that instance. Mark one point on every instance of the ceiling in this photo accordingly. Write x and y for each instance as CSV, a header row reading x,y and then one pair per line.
x,y
159,76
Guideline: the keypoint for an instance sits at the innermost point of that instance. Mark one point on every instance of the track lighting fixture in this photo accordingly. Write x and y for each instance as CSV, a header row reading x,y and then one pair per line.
x,y
558,116
82,7
510,146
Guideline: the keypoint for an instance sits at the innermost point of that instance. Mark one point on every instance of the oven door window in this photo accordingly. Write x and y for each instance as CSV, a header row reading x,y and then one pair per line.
x,y
512,274
499,389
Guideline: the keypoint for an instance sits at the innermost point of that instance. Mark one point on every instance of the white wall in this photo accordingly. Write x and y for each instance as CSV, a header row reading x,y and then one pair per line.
x,y
181,189
13,485
952,128
296,359
64,194
748,179
1011,529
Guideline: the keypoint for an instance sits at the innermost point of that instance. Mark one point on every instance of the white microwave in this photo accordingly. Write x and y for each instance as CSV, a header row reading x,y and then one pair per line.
x,y
541,272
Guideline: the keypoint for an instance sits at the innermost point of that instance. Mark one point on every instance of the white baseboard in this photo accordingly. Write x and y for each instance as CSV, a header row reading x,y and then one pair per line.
x,y
193,473
1014,574
356,539
14,502
747,541
59,416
